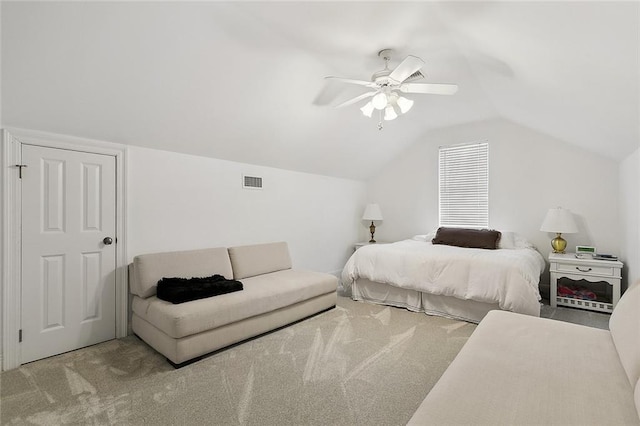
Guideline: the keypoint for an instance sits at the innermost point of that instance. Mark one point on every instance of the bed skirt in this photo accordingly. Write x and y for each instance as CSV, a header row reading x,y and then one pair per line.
x,y
413,300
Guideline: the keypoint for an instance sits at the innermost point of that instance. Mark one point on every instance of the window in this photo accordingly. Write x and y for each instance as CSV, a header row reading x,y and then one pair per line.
x,y
464,185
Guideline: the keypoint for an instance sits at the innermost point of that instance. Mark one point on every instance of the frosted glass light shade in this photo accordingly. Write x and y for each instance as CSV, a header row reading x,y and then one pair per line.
x,y
389,113
404,104
367,110
379,101
559,220
372,212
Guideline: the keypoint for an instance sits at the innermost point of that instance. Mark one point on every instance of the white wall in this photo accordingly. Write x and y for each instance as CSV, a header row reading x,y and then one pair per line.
x,y
181,202
1,183
630,215
1,123
529,173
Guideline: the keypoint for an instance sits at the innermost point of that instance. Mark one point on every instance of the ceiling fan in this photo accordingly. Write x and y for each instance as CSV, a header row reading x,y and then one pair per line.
x,y
387,83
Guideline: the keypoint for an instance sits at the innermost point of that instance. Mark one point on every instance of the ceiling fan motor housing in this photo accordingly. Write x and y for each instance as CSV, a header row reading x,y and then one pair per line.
x,y
381,77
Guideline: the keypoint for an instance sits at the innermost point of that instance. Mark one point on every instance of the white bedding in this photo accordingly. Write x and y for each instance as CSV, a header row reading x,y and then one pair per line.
x,y
508,277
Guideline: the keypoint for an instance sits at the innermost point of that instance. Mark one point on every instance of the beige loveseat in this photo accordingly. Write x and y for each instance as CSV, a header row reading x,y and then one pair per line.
x,y
521,370
274,295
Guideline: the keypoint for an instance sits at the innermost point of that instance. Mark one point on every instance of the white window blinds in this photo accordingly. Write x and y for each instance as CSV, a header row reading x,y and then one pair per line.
x,y
464,185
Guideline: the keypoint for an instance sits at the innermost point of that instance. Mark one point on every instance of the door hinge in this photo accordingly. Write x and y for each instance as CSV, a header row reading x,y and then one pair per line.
x,y
20,166
20,336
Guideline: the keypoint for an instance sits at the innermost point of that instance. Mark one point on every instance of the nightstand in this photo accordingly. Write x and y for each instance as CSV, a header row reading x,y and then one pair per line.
x,y
601,277
356,246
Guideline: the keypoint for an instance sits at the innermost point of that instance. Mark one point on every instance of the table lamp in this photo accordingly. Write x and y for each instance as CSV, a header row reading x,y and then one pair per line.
x,y
560,221
372,212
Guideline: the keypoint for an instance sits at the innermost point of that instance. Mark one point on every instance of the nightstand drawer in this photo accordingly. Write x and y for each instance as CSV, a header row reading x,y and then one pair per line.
x,y
586,269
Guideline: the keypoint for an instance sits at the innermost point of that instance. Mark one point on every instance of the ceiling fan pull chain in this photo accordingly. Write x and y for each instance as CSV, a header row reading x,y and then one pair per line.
x,y
380,125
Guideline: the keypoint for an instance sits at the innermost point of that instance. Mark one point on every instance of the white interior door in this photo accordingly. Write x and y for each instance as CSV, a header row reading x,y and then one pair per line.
x,y
68,263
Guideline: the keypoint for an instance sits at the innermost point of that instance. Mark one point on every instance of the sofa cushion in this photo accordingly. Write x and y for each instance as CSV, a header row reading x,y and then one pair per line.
x,y
257,259
625,330
261,294
150,268
522,370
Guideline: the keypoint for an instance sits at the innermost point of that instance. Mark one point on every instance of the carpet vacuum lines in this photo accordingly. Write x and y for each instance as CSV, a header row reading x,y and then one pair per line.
x,y
358,364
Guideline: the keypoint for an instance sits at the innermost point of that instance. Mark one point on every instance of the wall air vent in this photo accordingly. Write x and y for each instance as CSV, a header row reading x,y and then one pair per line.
x,y
251,182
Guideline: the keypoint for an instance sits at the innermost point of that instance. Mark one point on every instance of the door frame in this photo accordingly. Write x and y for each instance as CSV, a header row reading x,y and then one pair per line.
x,y
10,242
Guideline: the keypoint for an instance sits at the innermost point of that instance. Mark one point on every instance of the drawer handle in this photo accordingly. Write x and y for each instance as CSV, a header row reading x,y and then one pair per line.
x,y
583,270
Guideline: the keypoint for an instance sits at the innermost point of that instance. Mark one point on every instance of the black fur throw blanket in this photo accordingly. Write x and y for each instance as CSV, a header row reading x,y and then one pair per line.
x,y
180,290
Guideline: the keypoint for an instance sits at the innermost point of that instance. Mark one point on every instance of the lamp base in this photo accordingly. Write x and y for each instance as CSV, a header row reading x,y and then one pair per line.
x,y
372,229
559,244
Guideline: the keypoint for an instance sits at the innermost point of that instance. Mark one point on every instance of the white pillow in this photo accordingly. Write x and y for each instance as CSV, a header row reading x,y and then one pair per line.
x,y
507,240
522,242
513,240
425,237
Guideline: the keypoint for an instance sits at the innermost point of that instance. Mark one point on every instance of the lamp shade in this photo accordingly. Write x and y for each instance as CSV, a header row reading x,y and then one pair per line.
x,y
389,113
559,220
404,104
367,110
372,212
379,101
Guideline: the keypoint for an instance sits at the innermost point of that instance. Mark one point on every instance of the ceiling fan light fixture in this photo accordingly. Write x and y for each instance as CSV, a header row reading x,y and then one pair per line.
x,y
367,110
390,113
379,101
387,85
404,104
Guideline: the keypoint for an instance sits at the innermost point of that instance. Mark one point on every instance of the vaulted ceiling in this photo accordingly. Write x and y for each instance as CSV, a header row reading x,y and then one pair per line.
x,y
243,81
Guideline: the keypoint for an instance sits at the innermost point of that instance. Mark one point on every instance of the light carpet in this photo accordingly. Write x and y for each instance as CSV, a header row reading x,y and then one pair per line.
x,y
575,316
358,364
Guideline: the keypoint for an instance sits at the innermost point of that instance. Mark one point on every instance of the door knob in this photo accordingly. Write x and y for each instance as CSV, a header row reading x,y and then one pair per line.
x,y
107,241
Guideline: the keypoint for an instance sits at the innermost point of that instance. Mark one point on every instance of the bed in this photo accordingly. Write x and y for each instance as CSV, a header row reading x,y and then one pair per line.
x,y
455,282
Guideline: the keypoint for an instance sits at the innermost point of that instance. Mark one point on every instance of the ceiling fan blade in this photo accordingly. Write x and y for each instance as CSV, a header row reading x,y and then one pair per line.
x,y
429,88
351,81
407,67
328,93
356,99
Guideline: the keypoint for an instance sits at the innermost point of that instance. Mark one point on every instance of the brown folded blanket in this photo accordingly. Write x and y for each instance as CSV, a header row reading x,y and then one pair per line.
x,y
180,290
471,238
